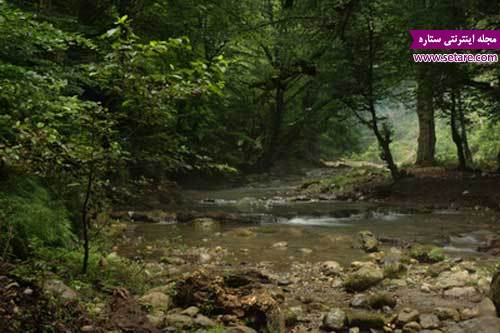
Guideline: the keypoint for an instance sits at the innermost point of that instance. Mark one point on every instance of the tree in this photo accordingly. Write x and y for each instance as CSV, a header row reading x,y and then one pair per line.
x,y
371,72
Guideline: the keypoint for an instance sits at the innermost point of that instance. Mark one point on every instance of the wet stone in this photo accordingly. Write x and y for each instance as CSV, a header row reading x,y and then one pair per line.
x,y
428,320
411,327
334,320
201,320
407,315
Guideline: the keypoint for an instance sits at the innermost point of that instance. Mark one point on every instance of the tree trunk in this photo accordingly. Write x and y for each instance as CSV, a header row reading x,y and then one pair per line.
x,y
384,139
425,112
455,135
463,126
85,221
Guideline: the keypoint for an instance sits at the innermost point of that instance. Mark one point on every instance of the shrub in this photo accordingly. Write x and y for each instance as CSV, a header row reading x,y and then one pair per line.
x,y
29,213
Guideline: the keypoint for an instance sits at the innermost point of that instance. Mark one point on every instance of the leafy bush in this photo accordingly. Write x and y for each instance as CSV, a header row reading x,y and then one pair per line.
x,y
104,272
28,213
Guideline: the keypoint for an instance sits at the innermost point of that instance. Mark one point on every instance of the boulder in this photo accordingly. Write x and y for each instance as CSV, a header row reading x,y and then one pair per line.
x,y
450,279
359,301
380,300
476,325
365,320
203,321
191,311
331,268
407,315
293,315
462,292
429,320
179,320
367,276
368,241
412,327
157,300
334,320
280,245
206,223
444,313
486,308
59,289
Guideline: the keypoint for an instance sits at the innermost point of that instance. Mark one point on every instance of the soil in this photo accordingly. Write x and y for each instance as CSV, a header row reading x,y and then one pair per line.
x,y
438,188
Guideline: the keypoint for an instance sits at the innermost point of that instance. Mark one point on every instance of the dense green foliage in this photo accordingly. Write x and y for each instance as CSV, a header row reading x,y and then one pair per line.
x,y
30,215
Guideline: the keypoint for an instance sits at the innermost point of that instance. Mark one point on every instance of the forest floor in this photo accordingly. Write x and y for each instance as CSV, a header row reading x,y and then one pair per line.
x,y
138,284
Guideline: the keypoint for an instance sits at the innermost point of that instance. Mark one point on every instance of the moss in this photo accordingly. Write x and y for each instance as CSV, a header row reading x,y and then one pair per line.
x,y
393,271
427,253
354,283
217,329
379,300
365,320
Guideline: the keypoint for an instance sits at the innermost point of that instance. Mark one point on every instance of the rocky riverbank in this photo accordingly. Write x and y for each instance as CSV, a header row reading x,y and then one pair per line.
x,y
415,289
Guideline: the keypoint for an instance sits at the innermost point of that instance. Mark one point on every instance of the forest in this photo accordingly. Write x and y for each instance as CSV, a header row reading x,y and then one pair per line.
x,y
246,166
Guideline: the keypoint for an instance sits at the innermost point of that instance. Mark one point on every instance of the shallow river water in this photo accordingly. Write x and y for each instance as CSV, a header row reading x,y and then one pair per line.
x,y
317,230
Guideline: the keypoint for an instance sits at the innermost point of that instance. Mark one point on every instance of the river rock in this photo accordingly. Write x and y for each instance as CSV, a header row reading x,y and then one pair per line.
x,y
444,313
334,320
280,245
476,325
365,320
87,328
206,223
468,313
368,241
412,327
462,292
359,301
293,315
365,277
406,315
450,279
305,250
191,311
486,308
156,300
179,320
203,321
241,232
428,320
381,300
157,319
393,256
58,288
331,268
